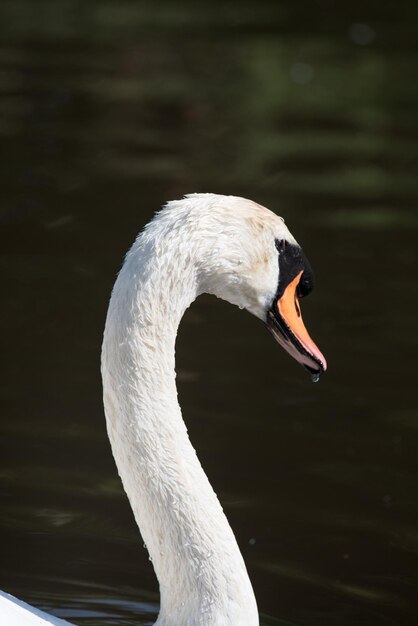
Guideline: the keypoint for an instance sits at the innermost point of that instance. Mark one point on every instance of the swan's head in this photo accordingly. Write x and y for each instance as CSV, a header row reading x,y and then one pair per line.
x,y
252,260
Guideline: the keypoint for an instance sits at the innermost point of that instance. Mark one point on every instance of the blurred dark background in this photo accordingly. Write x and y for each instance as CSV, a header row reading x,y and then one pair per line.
x,y
108,108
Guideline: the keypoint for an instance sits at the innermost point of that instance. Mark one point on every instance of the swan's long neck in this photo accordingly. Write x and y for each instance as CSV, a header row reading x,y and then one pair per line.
x,y
202,576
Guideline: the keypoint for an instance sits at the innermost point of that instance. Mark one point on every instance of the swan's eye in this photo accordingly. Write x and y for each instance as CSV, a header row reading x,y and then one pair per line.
x,y
292,262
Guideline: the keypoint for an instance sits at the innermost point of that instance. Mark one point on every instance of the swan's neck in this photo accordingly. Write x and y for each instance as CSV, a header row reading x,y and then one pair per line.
x,y
202,576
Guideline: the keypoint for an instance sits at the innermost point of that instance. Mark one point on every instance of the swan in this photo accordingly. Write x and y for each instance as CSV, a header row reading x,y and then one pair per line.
x,y
243,253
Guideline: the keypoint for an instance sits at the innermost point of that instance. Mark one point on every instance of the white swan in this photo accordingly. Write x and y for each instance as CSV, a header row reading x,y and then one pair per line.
x,y
243,253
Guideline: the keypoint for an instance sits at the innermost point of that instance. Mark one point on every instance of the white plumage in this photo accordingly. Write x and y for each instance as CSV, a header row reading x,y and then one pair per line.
x,y
14,612
204,243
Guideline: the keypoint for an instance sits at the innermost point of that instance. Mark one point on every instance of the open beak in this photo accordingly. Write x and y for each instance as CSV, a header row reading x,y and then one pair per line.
x,y
284,320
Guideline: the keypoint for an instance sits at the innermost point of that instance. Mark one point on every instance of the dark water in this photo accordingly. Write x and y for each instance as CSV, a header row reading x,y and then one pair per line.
x,y
108,109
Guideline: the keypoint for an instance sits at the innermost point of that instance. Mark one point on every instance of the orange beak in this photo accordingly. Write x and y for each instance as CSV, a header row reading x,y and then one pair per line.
x,y
286,323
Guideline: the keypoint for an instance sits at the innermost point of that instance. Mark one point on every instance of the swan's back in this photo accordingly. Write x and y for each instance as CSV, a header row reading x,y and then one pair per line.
x,y
14,612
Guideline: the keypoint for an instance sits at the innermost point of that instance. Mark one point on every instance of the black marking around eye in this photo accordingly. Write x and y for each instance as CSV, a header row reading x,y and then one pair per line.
x,y
307,281
292,261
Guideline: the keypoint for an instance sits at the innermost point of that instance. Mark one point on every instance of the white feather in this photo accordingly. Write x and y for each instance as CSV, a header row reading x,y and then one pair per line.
x,y
204,243
14,612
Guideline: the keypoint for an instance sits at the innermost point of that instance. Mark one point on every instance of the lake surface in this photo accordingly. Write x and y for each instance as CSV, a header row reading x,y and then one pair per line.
x,y
107,110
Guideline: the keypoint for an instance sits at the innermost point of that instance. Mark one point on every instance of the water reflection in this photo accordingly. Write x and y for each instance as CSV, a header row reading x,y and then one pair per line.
x,y
106,111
